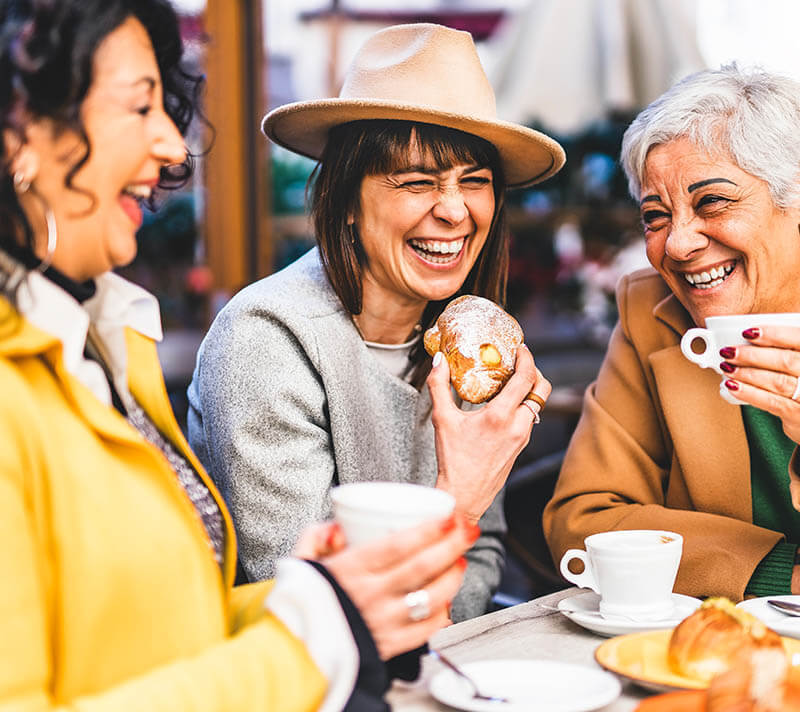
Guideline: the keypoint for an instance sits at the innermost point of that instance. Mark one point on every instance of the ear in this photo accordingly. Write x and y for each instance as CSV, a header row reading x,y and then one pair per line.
x,y
351,219
21,156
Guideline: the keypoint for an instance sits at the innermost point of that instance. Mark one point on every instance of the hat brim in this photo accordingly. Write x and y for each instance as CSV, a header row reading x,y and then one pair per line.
x,y
528,156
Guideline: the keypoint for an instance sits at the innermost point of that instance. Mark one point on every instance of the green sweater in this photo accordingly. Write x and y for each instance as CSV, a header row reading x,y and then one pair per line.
x,y
770,452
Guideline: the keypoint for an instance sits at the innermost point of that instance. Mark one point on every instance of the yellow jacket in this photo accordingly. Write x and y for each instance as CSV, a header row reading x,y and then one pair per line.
x,y
110,598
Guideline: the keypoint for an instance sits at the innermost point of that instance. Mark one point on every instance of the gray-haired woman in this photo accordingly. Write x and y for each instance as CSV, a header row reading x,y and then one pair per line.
x,y
714,164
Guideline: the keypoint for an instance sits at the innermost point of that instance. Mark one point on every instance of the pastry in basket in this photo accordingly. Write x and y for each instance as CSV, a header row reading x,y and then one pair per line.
x,y
479,341
708,641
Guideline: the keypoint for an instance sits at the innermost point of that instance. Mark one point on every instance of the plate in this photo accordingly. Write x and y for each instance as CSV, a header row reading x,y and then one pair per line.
x,y
543,685
779,622
583,609
642,658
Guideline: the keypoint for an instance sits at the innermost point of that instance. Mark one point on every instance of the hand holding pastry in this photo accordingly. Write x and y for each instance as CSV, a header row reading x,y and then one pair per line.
x,y
479,341
476,449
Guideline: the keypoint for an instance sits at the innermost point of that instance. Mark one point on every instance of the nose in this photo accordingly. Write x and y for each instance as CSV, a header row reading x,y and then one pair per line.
x,y
168,144
450,205
684,240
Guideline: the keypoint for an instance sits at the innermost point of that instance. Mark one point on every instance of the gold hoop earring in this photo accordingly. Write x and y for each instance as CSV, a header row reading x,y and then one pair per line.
x,y
21,185
52,238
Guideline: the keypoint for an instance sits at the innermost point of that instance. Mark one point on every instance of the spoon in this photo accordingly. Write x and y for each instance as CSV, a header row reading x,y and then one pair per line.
x,y
790,609
476,693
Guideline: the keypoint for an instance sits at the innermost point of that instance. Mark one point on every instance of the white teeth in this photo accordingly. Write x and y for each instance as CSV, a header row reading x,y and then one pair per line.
x,y
710,278
445,247
438,251
138,191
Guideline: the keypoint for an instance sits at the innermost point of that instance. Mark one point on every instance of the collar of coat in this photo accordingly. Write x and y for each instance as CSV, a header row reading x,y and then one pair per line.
x,y
20,339
709,443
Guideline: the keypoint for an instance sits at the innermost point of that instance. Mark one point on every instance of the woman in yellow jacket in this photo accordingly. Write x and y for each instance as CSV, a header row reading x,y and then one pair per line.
x,y
117,554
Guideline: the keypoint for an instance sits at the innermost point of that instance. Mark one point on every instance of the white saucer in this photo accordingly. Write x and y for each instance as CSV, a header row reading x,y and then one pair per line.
x,y
779,622
583,609
542,685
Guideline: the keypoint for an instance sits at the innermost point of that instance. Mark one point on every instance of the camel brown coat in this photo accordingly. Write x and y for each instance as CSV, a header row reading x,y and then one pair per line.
x,y
658,448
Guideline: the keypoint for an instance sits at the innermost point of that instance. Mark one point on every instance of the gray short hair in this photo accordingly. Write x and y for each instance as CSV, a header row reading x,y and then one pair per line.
x,y
749,115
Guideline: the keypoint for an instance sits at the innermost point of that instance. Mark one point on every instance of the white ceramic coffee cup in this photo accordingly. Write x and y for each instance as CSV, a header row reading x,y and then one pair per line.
x,y
702,345
371,510
633,571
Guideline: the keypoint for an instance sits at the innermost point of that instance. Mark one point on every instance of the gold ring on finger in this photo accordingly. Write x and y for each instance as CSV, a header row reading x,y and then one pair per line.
x,y
536,398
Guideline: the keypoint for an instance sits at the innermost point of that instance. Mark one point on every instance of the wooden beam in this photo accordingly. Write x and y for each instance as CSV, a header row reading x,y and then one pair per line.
x,y
237,201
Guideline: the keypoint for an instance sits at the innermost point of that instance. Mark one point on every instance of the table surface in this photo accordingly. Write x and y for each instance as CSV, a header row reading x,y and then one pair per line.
x,y
533,630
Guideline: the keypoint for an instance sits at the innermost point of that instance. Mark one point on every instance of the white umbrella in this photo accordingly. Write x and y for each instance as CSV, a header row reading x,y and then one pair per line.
x,y
566,63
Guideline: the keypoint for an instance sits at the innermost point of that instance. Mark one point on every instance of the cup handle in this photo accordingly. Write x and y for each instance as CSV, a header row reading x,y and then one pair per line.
x,y
582,580
708,358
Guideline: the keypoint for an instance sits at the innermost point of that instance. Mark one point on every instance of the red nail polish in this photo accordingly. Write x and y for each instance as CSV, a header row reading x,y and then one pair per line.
x,y
449,524
473,531
727,367
462,563
731,385
727,352
333,532
753,333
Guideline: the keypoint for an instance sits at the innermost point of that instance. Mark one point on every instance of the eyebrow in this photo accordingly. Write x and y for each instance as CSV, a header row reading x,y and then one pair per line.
x,y
694,186
149,81
708,181
433,170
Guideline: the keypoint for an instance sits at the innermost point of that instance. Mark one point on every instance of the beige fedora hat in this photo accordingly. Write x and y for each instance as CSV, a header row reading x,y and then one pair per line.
x,y
425,73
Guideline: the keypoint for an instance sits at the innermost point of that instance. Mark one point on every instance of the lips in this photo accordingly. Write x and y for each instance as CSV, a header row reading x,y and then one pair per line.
x,y
132,197
706,278
131,207
438,252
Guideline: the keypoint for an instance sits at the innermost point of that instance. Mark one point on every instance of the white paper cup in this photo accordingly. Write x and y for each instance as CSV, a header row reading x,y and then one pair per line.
x,y
702,345
371,510
633,571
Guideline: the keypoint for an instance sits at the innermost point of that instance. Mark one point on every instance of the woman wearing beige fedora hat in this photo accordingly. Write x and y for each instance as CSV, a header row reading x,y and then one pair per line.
x,y
316,376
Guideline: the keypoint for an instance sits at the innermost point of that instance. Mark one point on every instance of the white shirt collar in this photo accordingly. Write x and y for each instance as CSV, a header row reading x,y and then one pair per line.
x,y
115,305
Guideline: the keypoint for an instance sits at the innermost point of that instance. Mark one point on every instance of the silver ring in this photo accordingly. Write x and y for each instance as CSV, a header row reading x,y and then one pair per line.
x,y
796,393
529,405
418,604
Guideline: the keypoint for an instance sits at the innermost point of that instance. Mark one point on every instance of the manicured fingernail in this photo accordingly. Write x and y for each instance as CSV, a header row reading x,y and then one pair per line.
x,y
731,385
727,352
727,367
462,563
333,534
449,524
753,333
437,358
473,531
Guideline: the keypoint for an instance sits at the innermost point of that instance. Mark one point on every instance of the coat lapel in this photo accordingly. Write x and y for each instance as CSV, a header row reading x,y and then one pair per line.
x,y
146,385
19,338
708,434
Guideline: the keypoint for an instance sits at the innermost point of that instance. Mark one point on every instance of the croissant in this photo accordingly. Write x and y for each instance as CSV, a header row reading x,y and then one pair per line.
x,y
759,681
479,341
708,641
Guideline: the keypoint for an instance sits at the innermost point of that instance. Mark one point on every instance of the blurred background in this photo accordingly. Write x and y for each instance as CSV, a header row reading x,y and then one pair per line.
x,y
578,70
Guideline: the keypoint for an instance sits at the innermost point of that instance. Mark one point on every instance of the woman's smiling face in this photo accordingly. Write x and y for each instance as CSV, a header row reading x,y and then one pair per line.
x,y
715,235
131,138
422,228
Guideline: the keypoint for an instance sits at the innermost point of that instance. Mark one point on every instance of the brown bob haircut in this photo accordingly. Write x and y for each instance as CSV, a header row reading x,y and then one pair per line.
x,y
370,147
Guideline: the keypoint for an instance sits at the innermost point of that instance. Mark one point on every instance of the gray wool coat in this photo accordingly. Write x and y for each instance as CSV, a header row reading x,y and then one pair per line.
x,y
287,401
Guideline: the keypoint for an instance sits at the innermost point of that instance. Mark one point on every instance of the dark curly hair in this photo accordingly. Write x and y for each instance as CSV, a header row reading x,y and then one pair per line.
x,y
46,53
